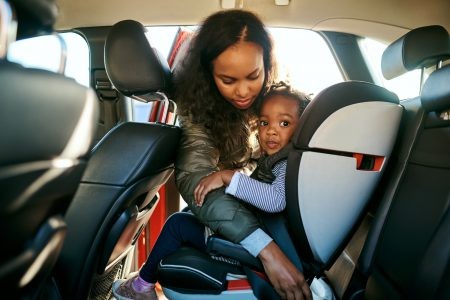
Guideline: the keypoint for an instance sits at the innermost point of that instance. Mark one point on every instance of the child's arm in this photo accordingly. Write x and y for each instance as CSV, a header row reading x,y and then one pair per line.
x,y
267,197
211,182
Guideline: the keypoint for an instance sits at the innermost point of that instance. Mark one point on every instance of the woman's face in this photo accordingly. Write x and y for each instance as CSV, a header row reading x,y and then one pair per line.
x,y
239,73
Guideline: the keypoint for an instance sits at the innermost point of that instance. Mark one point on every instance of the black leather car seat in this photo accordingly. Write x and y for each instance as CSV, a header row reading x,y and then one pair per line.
x,y
119,189
400,259
47,128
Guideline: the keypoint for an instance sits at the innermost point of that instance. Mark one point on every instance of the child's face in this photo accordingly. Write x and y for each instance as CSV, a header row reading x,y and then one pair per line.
x,y
277,121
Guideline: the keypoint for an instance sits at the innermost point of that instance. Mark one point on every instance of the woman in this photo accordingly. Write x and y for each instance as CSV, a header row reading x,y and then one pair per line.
x,y
228,67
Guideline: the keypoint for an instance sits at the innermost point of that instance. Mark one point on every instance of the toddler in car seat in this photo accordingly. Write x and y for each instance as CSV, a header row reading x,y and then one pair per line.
x,y
278,116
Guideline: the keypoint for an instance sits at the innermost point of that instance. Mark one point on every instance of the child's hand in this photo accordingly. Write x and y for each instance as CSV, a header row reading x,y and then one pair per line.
x,y
207,184
211,182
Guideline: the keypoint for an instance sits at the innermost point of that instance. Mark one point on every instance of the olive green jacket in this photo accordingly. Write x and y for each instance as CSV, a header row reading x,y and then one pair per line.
x,y
196,158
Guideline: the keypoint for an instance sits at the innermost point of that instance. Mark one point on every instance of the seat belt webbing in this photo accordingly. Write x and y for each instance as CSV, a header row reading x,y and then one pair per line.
x,y
275,225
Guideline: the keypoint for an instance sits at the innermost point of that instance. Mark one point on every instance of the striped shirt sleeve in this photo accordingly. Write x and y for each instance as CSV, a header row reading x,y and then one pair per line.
x,y
267,197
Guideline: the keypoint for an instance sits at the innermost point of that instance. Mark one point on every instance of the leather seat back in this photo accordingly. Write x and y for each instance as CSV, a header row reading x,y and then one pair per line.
x,y
48,124
405,255
119,190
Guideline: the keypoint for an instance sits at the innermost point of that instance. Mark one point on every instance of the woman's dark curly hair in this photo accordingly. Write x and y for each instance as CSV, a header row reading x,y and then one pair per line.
x,y
196,93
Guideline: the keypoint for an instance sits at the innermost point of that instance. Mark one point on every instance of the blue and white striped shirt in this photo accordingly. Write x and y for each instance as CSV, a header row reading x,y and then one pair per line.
x,y
265,196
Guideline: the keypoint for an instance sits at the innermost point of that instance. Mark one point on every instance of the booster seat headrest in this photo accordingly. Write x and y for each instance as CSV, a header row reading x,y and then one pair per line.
x,y
331,100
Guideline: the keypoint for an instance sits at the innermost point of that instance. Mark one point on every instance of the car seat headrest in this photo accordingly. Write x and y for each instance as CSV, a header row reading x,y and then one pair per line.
x,y
132,65
435,94
420,48
34,17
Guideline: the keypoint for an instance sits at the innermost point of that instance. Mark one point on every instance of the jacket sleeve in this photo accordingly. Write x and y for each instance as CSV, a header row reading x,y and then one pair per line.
x,y
224,214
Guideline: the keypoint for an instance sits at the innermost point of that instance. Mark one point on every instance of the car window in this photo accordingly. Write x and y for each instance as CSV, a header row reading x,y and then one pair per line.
x,y
405,86
47,52
303,58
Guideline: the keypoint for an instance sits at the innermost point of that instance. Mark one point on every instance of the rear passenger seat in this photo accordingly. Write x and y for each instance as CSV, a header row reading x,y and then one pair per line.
x,y
407,251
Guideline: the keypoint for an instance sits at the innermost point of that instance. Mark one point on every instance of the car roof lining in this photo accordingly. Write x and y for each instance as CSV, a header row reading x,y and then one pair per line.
x,y
352,16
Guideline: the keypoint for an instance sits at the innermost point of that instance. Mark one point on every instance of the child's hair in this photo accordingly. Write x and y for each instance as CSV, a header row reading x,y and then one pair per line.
x,y
196,93
283,89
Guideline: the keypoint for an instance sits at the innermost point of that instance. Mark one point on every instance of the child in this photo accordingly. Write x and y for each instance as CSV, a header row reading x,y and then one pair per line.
x,y
277,120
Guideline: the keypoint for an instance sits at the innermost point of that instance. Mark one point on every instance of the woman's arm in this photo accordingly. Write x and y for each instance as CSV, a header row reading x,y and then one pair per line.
x,y
196,158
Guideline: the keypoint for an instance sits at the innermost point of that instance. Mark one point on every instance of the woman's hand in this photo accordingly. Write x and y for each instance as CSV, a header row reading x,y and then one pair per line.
x,y
211,182
284,276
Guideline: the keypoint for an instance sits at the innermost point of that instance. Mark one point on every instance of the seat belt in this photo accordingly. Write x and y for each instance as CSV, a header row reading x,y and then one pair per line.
x,y
276,226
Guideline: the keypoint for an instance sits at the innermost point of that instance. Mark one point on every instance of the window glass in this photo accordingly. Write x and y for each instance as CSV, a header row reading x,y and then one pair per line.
x,y
303,58
77,65
44,52
405,86
161,37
